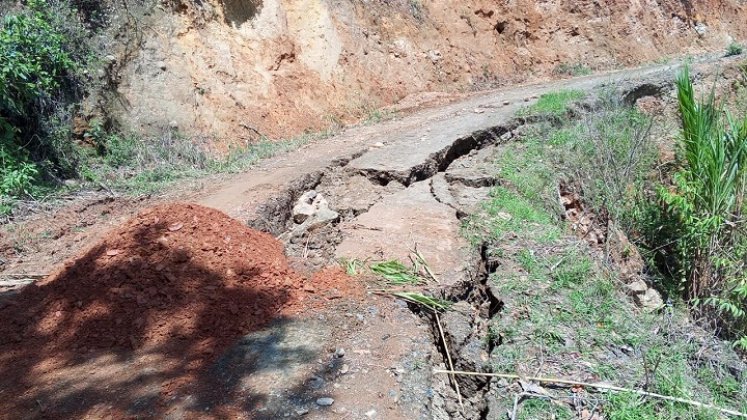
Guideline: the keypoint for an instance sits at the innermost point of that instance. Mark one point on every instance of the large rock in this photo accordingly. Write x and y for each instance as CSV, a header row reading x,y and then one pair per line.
x,y
644,296
312,211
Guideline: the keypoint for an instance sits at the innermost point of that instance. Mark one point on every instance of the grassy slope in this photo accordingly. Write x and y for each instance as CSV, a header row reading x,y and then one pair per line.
x,y
565,314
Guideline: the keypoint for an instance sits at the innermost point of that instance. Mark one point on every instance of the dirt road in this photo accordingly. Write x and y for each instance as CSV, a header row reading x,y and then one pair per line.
x,y
391,188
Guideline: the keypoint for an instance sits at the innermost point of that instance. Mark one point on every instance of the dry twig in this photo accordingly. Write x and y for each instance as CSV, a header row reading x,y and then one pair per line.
x,y
598,386
448,359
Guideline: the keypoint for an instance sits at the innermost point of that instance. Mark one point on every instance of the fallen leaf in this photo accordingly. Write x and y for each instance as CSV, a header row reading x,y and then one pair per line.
x,y
176,226
113,252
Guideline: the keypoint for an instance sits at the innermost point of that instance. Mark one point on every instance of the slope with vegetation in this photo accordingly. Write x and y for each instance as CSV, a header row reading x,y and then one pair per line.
x,y
566,312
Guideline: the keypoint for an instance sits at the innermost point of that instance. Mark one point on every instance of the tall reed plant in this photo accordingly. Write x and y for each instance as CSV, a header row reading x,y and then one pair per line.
x,y
704,207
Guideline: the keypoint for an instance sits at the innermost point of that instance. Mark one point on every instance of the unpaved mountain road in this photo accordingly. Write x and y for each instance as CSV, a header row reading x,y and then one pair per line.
x,y
398,185
399,147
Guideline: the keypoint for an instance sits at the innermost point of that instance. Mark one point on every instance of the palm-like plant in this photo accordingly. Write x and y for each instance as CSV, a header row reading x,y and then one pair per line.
x,y
705,204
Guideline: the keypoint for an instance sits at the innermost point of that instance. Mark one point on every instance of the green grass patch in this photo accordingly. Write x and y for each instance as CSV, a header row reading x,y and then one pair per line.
x,y
733,49
554,104
510,212
540,408
573,270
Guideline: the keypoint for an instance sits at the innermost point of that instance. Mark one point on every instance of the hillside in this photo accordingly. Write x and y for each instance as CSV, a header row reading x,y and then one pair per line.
x,y
235,70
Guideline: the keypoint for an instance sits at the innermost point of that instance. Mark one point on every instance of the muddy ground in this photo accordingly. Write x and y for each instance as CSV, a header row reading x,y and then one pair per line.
x,y
394,187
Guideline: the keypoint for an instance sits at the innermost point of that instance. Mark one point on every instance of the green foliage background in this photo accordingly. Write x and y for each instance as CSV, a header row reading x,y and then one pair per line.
x,y
44,52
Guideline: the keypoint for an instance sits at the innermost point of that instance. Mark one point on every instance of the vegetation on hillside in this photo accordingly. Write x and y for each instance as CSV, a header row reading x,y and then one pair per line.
x,y
561,302
44,54
701,236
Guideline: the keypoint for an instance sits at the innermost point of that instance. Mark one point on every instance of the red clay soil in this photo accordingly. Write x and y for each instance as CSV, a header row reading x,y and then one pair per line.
x,y
182,280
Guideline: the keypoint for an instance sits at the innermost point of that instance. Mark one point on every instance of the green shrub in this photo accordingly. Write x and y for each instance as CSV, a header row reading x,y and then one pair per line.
x,y
41,50
704,208
734,49
609,155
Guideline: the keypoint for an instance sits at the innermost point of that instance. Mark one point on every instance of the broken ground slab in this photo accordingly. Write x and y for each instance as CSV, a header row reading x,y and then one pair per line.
x,y
462,199
393,226
475,169
419,154
467,182
352,195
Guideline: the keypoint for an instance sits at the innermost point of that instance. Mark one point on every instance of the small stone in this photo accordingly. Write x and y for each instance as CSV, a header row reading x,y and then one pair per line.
x,y
651,300
378,144
302,411
344,369
173,125
111,58
638,287
340,352
325,401
161,65
370,414
505,103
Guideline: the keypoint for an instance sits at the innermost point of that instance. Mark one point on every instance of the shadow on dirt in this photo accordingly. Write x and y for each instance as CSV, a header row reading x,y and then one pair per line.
x,y
238,12
140,331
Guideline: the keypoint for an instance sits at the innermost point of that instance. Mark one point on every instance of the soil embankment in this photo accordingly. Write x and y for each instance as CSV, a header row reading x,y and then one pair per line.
x,y
235,70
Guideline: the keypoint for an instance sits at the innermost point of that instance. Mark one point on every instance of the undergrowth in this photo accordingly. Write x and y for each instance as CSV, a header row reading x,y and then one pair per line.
x,y
135,165
44,50
554,104
566,314
574,69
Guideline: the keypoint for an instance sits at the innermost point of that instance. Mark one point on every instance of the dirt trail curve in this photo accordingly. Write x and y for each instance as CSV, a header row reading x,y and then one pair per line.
x,y
408,142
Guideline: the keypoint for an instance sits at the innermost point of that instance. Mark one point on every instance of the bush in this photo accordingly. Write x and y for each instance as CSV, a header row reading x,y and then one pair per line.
x,y
42,50
610,156
704,209
734,49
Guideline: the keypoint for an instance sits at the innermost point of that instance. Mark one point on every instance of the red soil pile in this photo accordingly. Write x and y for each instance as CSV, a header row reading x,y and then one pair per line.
x,y
182,279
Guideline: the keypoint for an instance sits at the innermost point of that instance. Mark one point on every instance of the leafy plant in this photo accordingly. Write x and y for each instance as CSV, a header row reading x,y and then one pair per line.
x,y
353,267
431,303
705,205
396,273
38,70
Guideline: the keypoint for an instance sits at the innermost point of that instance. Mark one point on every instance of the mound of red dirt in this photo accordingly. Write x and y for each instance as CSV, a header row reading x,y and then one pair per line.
x,y
183,280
